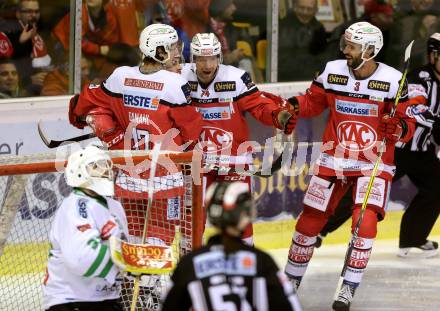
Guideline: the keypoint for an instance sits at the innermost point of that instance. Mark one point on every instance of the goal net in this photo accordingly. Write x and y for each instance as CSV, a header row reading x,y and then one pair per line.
x,y
31,189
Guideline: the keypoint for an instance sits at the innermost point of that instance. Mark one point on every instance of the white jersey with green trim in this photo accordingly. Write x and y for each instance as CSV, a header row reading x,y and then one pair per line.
x,y
80,267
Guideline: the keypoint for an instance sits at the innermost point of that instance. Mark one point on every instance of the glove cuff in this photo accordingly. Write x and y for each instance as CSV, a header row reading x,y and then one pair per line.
x,y
293,101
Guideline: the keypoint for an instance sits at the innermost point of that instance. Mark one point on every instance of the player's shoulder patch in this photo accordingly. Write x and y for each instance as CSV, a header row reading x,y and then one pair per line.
x,y
247,80
186,89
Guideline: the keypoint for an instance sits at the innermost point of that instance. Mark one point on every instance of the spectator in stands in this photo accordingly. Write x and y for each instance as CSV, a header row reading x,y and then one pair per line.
x,y
29,49
99,32
192,14
302,41
221,14
416,23
377,12
9,82
6,48
57,81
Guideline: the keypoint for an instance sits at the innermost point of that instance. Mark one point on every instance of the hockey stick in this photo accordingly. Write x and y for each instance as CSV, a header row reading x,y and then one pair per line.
x,y
50,143
154,159
373,176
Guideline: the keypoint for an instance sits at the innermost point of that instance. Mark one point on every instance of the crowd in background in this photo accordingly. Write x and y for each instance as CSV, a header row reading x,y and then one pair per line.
x,y
34,36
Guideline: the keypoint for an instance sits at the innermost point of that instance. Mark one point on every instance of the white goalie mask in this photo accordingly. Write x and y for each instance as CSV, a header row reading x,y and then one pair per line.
x,y
206,44
91,168
366,35
157,35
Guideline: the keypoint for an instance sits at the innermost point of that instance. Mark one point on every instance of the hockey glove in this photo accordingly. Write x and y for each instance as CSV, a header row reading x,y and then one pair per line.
x,y
140,259
284,119
391,128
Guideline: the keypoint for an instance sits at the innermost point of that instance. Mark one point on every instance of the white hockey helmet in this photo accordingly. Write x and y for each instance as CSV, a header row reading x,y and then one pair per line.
x,y
367,35
156,35
91,168
206,44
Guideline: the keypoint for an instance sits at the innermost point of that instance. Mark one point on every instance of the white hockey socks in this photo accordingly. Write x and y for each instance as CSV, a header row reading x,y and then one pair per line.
x,y
300,253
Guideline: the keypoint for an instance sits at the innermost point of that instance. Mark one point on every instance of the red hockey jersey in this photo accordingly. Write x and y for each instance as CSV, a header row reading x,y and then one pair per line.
x,y
350,141
141,109
222,106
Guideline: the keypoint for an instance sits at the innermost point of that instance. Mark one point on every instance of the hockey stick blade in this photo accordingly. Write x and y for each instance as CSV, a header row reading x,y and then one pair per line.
x,y
408,51
56,143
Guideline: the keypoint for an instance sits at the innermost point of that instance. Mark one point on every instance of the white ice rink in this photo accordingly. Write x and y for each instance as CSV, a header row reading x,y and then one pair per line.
x,y
389,284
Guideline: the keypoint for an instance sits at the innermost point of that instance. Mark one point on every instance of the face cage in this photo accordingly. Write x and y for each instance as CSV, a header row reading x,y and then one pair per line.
x,y
100,169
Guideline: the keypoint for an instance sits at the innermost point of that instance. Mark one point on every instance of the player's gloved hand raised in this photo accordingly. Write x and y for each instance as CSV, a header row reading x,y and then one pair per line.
x,y
284,118
390,128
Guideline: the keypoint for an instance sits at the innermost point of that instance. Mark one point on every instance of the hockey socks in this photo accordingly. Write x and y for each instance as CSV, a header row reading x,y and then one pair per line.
x,y
358,260
300,253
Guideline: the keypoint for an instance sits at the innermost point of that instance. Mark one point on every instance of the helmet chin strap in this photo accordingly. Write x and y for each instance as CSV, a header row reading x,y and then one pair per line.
x,y
363,60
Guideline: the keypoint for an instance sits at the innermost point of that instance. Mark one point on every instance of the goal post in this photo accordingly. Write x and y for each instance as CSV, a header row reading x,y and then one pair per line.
x,y
32,187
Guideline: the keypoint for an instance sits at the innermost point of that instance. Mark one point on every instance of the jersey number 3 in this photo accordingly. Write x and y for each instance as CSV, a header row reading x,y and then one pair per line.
x,y
357,86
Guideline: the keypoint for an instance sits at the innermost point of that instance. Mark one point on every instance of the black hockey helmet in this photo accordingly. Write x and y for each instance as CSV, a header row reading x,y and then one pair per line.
x,y
434,44
229,205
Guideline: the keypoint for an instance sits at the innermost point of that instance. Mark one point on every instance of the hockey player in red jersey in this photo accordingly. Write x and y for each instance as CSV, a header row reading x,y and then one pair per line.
x,y
133,109
222,95
359,93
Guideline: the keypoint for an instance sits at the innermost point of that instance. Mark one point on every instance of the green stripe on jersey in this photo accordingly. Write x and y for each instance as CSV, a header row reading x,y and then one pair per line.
x,y
97,262
106,269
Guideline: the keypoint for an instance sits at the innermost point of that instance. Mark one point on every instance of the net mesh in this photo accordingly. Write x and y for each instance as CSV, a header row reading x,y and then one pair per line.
x,y
30,201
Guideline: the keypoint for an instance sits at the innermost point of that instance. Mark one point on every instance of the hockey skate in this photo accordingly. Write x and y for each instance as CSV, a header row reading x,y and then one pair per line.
x,y
295,283
345,296
427,250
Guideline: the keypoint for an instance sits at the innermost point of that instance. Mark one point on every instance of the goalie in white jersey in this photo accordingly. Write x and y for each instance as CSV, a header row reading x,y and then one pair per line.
x,y
80,272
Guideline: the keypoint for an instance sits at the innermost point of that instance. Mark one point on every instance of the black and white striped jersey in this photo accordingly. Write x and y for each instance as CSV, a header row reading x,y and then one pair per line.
x,y
244,280
423,84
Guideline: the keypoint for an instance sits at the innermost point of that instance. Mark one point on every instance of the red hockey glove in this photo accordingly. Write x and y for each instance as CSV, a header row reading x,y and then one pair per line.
x,y
391,128
103,125
284,118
